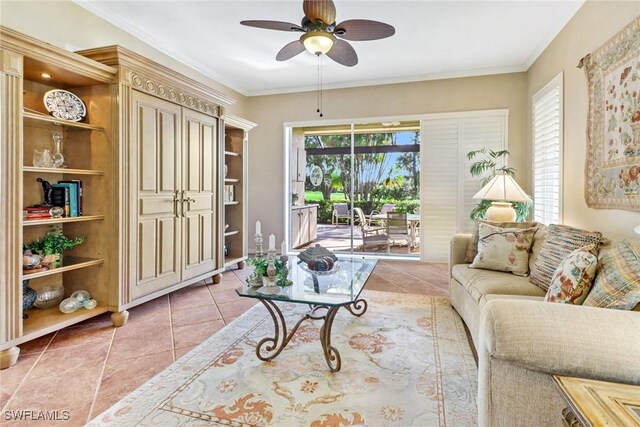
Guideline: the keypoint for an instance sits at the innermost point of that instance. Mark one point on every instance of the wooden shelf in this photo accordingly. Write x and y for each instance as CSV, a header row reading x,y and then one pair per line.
x,y
231,203
43,321
42,120
66,171
29,222
231,180
231,233
70,263
231,153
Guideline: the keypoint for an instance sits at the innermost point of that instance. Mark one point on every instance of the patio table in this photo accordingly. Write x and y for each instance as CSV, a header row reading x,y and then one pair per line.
x,y
413,221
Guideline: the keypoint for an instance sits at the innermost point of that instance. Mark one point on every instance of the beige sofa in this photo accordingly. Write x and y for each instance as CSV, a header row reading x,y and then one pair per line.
x,y
522,341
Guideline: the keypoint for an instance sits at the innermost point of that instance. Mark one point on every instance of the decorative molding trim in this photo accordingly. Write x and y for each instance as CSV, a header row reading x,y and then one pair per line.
x,y
238,122
52,55
11,199
158,80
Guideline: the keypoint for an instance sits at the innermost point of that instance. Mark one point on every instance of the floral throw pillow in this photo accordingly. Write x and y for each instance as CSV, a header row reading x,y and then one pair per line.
x,y
572,280
472,247
504,249
617,284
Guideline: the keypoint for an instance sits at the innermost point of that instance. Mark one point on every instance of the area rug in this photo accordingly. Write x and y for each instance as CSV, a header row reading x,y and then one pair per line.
x,y
406,362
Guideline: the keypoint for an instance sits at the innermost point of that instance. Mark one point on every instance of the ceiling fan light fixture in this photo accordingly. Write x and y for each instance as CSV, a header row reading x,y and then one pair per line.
x,y
318,42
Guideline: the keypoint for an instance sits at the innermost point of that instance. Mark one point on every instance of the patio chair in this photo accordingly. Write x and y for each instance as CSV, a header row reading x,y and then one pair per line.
x,y
385,209
371,236
397,228
340,210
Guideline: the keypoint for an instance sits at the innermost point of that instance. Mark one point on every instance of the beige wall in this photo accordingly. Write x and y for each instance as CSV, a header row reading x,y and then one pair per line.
x,y
266,147
63,23
593,25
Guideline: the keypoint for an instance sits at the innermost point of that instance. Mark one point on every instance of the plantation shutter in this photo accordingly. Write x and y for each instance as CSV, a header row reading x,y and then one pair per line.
x,y
477,132
547,140
446,186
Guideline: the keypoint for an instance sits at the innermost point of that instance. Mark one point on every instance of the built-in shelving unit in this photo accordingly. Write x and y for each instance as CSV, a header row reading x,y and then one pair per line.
x,y
235,152
30,69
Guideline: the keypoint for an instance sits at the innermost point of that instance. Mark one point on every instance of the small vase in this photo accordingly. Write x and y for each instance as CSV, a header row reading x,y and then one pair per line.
x,y
29,296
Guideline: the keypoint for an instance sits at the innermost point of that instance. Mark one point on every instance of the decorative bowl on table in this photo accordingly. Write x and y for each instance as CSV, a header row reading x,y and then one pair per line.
x,y
49,296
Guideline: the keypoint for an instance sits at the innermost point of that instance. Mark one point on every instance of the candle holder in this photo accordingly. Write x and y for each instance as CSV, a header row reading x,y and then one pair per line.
x,y
258,241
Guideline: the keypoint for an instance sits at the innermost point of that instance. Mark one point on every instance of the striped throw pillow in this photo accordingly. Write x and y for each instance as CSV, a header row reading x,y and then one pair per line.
x,y
617,284
472,247
559,242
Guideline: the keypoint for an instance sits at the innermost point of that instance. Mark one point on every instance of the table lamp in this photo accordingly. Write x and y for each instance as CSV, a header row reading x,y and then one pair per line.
x,y
502,190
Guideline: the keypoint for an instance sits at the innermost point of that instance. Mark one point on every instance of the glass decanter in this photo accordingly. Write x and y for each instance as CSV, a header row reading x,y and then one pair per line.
x,y
58,157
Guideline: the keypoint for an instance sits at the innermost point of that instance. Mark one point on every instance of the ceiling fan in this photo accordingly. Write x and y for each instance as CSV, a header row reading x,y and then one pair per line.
x,y
323,36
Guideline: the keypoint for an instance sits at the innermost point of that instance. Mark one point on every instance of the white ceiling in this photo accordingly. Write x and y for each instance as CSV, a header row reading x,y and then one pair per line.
x,y
434,39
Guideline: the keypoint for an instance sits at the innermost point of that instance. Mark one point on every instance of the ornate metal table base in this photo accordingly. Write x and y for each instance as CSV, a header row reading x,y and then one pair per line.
x,y
270,347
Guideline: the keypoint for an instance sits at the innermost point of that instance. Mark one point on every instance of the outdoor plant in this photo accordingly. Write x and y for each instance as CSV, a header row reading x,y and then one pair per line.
x,y
52,245
486,166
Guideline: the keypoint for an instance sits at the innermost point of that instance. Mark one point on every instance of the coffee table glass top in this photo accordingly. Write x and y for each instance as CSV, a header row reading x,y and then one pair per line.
x,y
341,286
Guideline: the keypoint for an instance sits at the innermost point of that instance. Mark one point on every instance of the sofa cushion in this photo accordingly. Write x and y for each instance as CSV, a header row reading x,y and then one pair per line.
x,y
538,239
472,248
485,282
573,278
559,242
503,249
617,284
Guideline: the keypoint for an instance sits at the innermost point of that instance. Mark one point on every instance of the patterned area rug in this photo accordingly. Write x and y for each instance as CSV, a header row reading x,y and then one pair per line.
x,y
405,362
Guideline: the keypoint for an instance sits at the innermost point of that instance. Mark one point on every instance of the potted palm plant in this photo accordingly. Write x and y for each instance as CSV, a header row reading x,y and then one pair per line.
x,y
486,166
52,245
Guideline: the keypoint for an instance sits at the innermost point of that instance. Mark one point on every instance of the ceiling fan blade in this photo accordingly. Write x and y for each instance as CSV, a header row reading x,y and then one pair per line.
x,y
343,53
290,50
323,10
272,25
363,29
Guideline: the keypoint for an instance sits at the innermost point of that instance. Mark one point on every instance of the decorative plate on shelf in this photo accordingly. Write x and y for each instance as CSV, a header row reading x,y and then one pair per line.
x,y
64,105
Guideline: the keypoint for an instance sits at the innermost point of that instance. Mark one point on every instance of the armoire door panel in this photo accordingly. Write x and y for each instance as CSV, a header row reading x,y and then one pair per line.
x,y
200,172
147,143
192,236
156,150
157,205
206,227
167,257
194,156
146,252
168,159
201,202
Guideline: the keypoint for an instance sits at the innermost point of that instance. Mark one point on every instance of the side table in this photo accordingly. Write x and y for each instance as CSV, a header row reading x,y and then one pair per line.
x,y
598,403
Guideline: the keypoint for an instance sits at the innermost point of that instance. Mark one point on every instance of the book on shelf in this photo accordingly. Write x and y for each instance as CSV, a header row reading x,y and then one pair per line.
x,y
71,198
80,192
29,216
60,197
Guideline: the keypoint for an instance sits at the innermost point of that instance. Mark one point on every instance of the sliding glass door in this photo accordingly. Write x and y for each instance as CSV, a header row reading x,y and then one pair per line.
x,y
362,183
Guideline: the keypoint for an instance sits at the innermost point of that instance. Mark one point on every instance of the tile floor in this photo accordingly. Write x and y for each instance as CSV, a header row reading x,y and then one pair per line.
x,y
86,368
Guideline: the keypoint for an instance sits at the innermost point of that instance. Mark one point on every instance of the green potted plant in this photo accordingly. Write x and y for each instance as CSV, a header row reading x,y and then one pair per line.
x,y
486,167
52,245
260,265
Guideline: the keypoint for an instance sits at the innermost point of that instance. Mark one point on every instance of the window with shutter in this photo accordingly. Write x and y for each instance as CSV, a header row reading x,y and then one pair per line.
x,y
547,152
447,187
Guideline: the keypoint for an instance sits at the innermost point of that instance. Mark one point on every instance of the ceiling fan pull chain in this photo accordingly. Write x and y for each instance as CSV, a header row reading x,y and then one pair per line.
x,y
319,91
320,58
318,86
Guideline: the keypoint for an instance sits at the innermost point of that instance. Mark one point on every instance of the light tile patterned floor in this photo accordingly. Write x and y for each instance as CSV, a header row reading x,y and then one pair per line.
x,y
86,368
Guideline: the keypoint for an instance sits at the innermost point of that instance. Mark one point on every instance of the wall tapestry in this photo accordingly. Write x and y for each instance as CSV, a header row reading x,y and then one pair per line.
x,y
613,127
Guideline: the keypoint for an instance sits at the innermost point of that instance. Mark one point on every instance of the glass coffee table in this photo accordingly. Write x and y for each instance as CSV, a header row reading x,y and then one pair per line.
x,y
324,292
